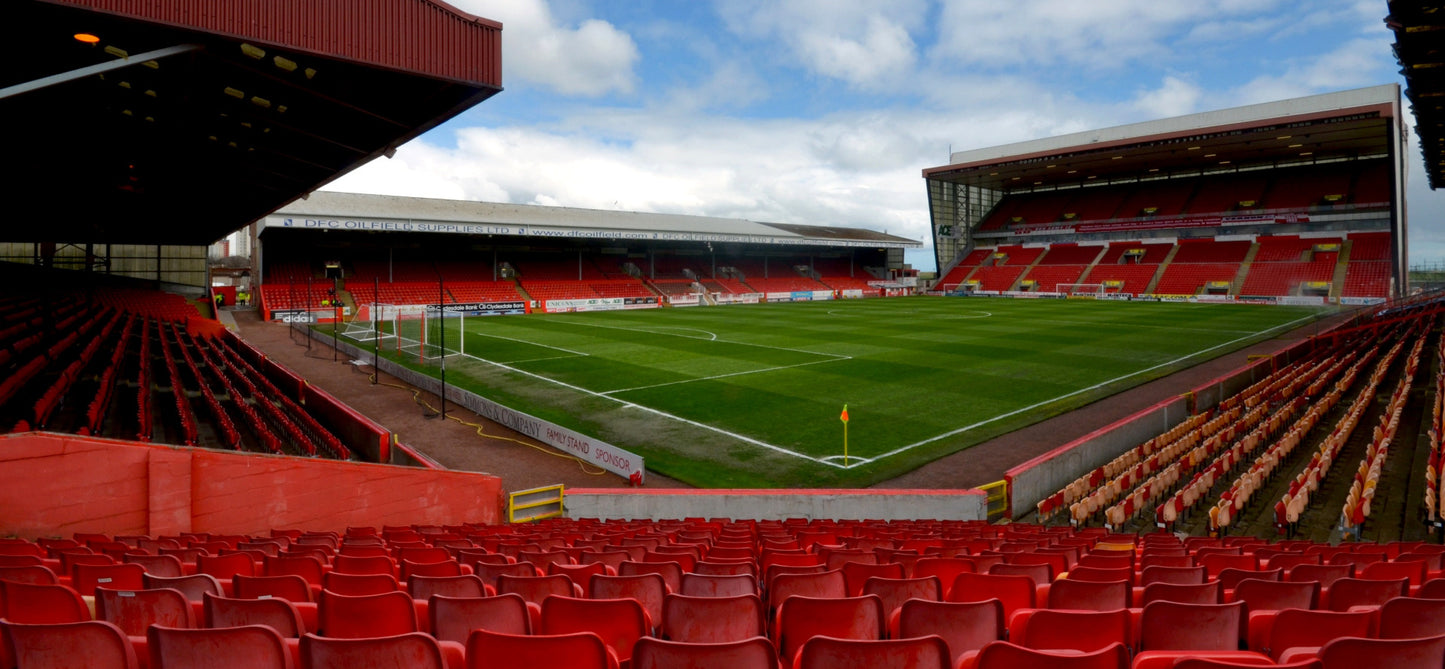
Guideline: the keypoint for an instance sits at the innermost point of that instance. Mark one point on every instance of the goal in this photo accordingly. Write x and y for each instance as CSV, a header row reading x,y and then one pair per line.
x,y
372,323
430,334
1080,289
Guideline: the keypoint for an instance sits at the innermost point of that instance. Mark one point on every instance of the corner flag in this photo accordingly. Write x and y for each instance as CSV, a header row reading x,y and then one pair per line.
x,y
844,417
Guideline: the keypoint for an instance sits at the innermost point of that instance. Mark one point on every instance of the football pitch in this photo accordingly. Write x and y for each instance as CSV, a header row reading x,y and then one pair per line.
x,y
751,395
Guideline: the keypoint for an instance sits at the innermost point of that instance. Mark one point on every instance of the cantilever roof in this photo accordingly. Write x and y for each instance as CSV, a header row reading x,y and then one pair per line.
x,y
325,210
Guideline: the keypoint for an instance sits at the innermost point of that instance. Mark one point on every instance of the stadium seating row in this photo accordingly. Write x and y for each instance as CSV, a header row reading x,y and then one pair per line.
x,y
803,593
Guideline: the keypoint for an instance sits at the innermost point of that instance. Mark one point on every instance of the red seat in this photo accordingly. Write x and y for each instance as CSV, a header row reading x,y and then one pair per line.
x,y
1170,625
356,585
1177,575
1089,595
135,610
1265,599
443,568
752,653
192,586
454,618
157,565
278,614
619,622
1326,574
1349,592
361,616
413,651
895,591
495,650
945,568
1303,628
1241,662
363,564
246,647
1004,655
821,652
700,585
41,603
291,588
964,626
85,578
1208,592
225,566
34,574
1102,574
711,619
801,618
92,644
464,585
1016,592
647,589
671,572
824,585
1353,653
581,574
1411,617
1413,570
1217,562
1084,631
855,574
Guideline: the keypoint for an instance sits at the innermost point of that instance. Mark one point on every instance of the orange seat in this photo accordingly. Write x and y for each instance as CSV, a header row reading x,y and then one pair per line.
x,y
92,644
495,650
245,647
926,652
751,653
711,619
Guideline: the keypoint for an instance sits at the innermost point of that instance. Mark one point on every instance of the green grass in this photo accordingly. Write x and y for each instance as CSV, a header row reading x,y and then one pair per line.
x,y
698,391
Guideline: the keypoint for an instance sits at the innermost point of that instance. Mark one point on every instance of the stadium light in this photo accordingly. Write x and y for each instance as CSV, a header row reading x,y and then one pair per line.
x,y
87,38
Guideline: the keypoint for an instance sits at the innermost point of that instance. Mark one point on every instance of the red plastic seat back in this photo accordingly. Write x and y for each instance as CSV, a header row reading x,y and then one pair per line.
x,y
1353,653
1414,570
1208,592
1347,592
1084,631
454,618
895,591
278,614
244,647
945,568
135,610
751,653
413,651
1004,655
348,617
41,603
1089,595
465,585
855,574
801,618
359,584
1176,575
620,622
1039,573
823,585
671,572
93,644
928,652
85,578
647,589
34,574
226,566
1179,626
1411,617
1261,595
495,650
963,626
1016,592
291,588
701,585
1326,574
1299,627
711,619
157,565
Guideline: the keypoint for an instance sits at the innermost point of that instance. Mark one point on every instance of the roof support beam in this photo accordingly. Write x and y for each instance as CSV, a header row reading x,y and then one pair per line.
x,y
92,70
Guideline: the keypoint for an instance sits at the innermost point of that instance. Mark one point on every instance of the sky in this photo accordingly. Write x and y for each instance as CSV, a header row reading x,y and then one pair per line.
x,y
825,112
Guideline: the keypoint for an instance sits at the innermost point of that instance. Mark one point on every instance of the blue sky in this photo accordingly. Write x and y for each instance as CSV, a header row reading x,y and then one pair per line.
x,y
826,112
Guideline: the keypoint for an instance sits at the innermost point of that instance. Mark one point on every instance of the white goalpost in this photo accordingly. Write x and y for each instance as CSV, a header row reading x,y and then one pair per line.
x,y
430,334
1080,289
372,322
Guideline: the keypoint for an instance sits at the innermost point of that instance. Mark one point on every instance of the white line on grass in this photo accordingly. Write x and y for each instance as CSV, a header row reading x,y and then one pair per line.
x,y
720,341
723,376
524,341
1101,384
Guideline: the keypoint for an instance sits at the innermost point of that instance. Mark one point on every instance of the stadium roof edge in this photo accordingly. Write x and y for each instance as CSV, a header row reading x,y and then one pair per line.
x,y
330,210
1386,97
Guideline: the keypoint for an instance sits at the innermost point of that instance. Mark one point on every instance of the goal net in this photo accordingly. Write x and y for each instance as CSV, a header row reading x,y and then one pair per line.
x,y
429,334
1080,289
372,323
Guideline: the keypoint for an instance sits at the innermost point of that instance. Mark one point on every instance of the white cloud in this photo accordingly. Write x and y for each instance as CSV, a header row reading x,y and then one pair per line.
x,y
861,43
1103,35
1358,62
1174,97
592,59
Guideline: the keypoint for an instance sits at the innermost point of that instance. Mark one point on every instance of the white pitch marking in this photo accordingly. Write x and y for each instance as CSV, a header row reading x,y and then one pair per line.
x,y
721,341
723,376
966,428
524,341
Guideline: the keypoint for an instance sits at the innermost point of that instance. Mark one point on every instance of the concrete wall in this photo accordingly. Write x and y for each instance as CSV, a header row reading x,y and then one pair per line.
x,y
55,485
1046,474
777,504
